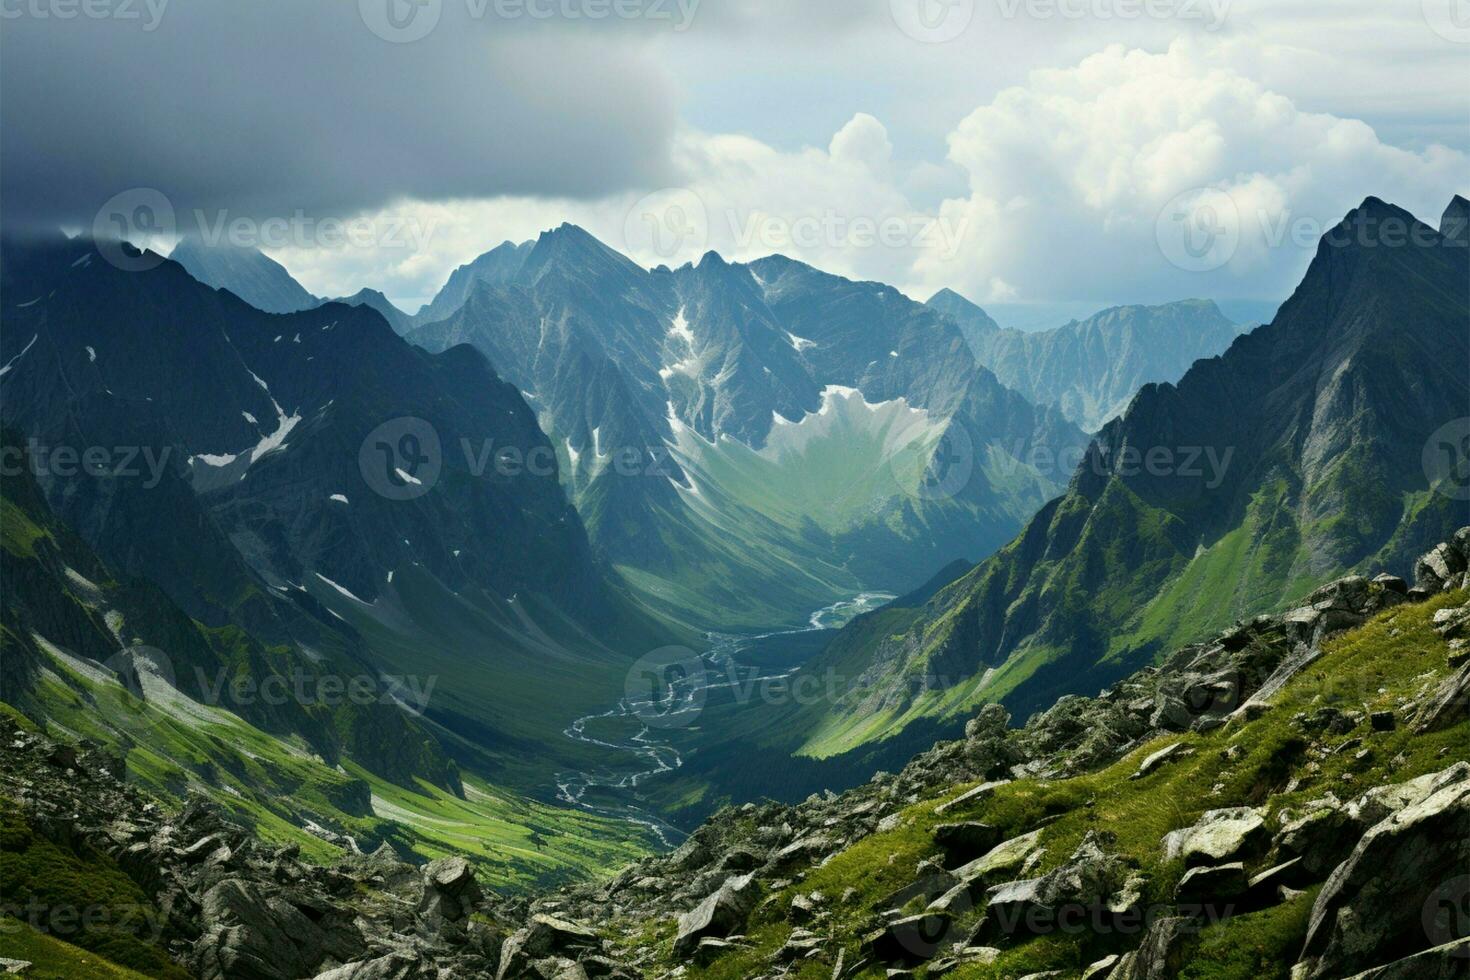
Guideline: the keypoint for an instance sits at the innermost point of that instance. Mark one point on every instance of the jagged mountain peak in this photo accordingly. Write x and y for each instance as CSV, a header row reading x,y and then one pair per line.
x,y
948,299
573,250
1455,224
247,272
375,300
497,266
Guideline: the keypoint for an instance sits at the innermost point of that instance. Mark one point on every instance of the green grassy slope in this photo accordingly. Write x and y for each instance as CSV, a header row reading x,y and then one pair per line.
x,y
1261,762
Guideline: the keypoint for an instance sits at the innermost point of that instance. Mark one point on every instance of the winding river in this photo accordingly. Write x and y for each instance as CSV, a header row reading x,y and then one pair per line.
x,y
650,752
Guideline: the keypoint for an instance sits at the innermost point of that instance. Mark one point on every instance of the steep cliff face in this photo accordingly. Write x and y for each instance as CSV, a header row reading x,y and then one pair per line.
x,y
1298,454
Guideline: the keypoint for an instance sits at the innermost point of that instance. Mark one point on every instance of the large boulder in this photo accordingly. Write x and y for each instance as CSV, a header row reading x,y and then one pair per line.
x,y
1081,890
1376,899
1216,888
450,894
1448,962
253,933
721,914
1219,836
964,842
912,939
1443,567
1320,836
544,937
1161,956
1449,704
1382,802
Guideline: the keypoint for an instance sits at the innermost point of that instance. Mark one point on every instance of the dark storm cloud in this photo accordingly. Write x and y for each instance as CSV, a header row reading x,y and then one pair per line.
x,y
269,107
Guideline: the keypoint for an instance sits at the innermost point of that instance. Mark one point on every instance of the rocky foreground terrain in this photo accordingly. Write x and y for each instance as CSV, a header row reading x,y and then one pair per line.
x,y
1291,798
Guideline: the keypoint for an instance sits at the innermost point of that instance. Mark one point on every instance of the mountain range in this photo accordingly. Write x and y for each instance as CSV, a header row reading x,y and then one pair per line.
x,y
748,443
1091,369
585,460
1296,456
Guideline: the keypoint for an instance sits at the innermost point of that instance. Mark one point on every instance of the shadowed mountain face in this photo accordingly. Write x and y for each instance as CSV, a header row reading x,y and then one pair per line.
x,y
254,277
750,442
400,321
262,424
1091,369
1304,451
275,473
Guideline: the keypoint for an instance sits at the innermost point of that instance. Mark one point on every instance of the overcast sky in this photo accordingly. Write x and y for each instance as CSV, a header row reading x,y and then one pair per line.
x,y
1017,150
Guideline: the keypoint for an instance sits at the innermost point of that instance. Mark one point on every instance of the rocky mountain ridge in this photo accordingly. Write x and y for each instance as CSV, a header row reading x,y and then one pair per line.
x,y
965,863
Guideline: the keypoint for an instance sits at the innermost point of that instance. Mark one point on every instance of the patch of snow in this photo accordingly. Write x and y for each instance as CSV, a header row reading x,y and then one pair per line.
x,y
296,339
390,576
276,341
250,418
84,260
689,366
81,581
573,454
209,459
893,353
6,369
800,343
340,498
21,306
681,329
277,439
342,590
408,478
92,354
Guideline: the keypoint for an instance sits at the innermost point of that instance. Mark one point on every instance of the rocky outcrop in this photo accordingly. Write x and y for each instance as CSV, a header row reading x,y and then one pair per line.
x,y
1217,837
1376,899
722,913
